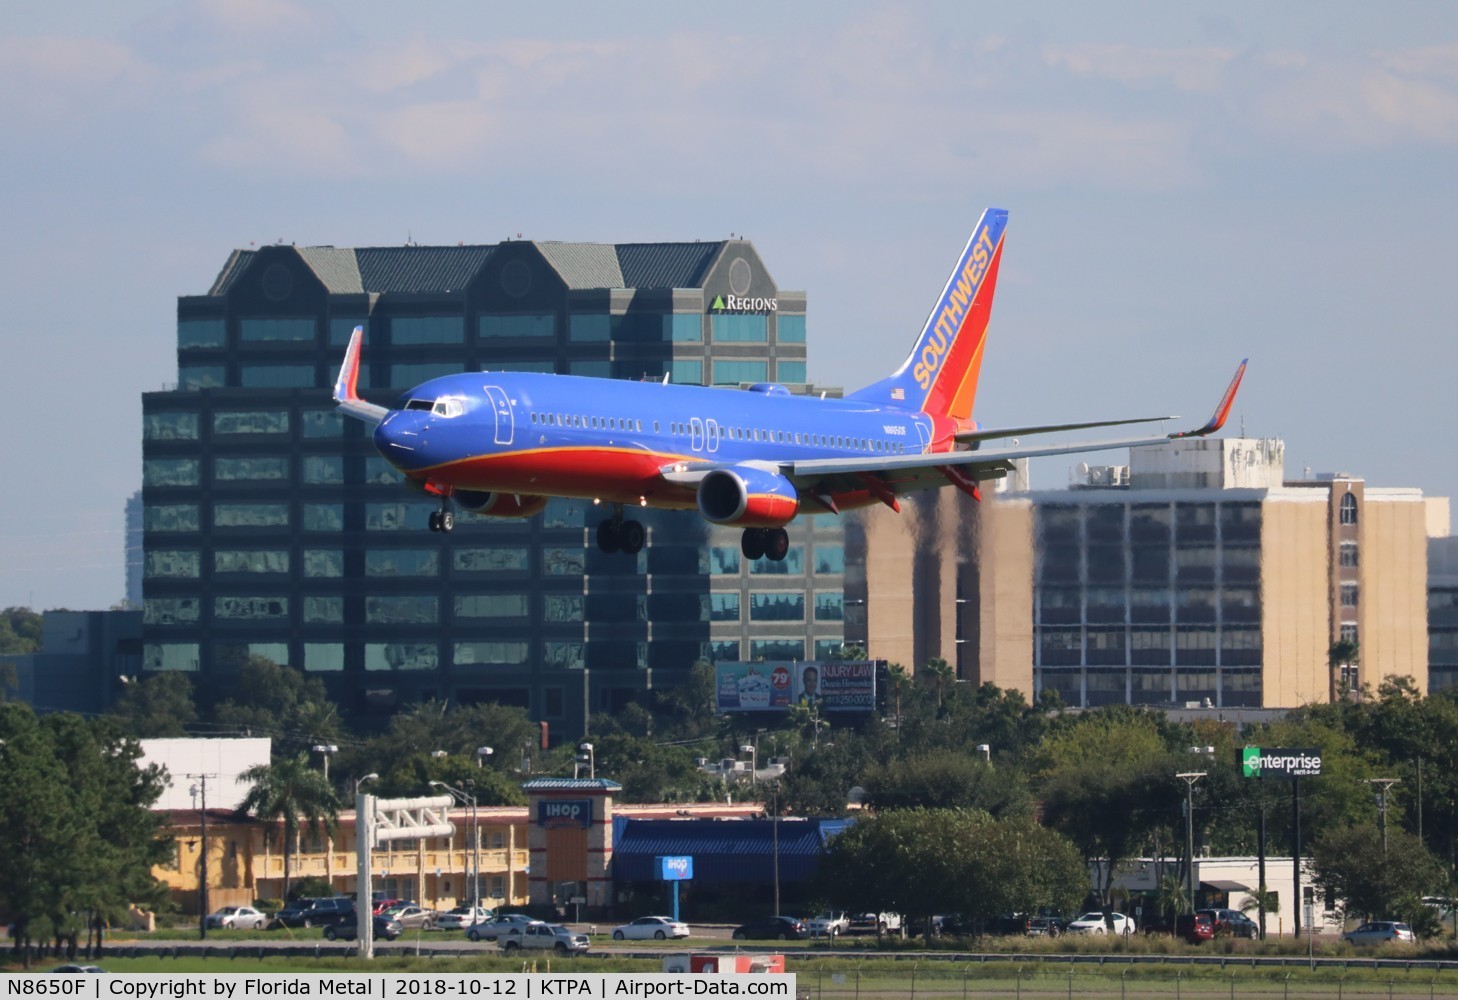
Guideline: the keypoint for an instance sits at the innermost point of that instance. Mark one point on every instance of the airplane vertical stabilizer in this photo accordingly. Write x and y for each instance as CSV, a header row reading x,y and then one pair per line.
x,y
940,375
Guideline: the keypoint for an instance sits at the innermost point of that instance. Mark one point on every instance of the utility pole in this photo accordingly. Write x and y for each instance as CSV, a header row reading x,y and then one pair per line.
x,y
1383,784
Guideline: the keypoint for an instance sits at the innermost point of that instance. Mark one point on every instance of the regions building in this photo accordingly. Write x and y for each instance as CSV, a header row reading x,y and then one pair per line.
x,y
272,528
1196,576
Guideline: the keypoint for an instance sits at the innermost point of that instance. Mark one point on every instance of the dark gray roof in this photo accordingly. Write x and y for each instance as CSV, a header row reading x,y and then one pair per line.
x,y
666,265
381,270
420,269
238,262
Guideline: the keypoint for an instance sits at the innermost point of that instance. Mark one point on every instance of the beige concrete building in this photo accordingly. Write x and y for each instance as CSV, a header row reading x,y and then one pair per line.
x,y
1198,575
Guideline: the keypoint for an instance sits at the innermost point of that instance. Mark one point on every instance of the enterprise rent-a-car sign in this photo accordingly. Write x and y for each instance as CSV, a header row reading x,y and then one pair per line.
x,y
1261,762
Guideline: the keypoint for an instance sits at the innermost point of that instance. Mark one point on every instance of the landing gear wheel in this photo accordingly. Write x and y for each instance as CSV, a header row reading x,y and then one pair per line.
x,y
631,537
752,543
776,544
434,520
608,536
447,521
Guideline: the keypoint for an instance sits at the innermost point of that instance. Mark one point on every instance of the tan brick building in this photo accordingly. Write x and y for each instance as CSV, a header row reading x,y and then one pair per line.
x,y
1197,575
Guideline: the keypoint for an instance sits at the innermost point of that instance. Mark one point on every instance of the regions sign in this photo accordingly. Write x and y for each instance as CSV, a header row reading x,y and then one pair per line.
x,y
553,813
1259,762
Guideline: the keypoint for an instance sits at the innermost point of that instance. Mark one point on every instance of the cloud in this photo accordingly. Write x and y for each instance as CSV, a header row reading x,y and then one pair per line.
x,y
1197,70
56,77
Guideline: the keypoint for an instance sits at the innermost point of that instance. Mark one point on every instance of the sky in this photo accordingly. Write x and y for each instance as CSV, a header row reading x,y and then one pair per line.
x,y
1188,185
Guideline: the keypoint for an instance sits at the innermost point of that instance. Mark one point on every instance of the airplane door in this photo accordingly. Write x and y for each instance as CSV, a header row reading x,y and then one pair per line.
x,y
696,434
505,422
711,434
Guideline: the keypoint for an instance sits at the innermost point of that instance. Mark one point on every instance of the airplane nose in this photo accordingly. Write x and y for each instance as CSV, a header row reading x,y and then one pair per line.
x,y
397,437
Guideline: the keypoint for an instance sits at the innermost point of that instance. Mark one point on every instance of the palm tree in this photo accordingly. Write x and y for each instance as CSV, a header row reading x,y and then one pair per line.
x,y
290,790
941,674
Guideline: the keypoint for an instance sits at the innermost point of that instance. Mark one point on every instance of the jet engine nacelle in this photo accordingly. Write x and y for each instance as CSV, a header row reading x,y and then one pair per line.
x,y
499,504
748,497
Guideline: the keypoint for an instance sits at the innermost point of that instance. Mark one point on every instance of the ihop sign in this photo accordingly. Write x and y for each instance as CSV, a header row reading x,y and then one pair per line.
x,y
556,813
675,868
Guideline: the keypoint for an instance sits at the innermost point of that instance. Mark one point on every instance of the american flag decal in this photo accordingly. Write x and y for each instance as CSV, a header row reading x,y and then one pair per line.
x,y
898,394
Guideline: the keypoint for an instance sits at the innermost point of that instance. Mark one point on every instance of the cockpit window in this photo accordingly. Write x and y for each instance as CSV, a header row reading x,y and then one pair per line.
x,y
446,406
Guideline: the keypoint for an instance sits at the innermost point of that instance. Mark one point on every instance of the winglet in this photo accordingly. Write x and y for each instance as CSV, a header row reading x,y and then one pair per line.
x,y
345,387
1222,409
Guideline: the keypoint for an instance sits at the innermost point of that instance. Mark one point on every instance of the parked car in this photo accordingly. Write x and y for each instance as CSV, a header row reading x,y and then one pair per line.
x,y
80,968
386,929
544,937
651,929
490,930
412,917
1094,923
1047,926
771,929
1008,923
874,923
1195,927
831,923
1233,923
315,912
1380,932
383,903
462,917
238,918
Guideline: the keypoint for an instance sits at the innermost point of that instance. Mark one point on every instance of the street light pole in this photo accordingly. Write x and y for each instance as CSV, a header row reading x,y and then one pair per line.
x,y
468,798
202,883
326,749
753,761
1190,777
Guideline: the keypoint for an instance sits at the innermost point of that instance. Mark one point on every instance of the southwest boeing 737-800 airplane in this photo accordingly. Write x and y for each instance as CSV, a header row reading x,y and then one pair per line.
x,y
503,443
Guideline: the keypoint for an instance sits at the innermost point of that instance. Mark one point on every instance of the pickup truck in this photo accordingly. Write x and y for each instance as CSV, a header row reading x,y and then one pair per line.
x,y
540,936
874,923
832,923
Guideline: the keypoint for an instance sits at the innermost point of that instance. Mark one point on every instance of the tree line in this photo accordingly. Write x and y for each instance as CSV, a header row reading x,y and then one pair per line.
x,y
1096,785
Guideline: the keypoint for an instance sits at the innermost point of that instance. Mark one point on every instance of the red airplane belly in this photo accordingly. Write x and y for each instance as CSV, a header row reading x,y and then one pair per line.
x,y
617,476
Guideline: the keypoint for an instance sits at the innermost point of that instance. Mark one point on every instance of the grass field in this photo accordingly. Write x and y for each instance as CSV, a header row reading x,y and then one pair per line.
x,y
875,978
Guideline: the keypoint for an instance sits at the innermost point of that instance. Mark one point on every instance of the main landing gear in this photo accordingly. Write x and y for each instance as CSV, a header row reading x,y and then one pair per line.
x,y
765,543
618,535
443,519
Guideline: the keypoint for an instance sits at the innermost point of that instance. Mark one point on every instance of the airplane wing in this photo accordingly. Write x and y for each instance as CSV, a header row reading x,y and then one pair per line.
x,y
890,476
345,386
964,469
992,433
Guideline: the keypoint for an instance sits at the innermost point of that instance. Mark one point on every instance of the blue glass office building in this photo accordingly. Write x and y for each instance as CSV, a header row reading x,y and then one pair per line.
x,y
272,528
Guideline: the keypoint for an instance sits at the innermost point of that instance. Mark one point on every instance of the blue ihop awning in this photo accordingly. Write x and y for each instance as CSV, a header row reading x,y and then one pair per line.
x,y
727,850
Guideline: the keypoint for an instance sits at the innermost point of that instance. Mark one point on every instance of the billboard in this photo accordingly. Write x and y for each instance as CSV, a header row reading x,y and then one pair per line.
x,y
1281,762
832,685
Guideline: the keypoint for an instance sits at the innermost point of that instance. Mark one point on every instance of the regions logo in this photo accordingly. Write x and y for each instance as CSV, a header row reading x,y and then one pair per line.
x,y
742,303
